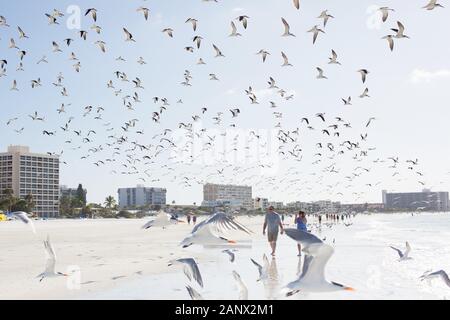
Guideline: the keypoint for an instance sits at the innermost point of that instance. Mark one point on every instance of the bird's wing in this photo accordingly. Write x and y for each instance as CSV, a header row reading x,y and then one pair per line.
x,y
51,256
258,266
194,294
314,266
220,222
400,253
191,270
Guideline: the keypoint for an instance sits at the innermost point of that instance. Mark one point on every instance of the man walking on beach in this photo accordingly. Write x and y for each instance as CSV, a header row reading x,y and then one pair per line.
x,y
272,223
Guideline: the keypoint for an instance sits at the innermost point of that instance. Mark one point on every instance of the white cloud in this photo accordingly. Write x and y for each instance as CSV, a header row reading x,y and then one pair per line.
x,y
421,75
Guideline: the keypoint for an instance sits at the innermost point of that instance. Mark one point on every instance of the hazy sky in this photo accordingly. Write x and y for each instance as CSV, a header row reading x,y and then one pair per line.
x,y
408,91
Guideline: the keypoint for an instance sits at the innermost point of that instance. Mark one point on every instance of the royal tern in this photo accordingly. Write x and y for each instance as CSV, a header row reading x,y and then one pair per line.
x,y
23,216
190,269
209,232
50,271
403,255
317,253
162,220
437,274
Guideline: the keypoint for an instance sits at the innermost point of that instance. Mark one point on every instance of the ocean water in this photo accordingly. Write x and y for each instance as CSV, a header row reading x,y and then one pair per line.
x,y
362,260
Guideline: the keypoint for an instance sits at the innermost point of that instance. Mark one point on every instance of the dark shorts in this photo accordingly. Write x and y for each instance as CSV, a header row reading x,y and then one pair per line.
x,y
272,236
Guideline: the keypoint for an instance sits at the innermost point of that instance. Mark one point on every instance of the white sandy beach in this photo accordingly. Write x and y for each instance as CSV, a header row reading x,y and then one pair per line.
x,y
119,260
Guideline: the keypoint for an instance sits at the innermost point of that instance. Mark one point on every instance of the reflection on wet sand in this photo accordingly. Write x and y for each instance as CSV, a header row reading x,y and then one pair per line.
x,y
272,282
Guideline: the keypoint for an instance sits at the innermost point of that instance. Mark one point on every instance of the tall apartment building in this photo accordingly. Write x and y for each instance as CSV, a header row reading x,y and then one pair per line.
x,y
141,196
425,200
31,173
232,195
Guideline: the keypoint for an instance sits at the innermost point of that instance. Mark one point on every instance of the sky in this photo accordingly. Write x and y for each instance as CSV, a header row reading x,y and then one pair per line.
x,y
408,91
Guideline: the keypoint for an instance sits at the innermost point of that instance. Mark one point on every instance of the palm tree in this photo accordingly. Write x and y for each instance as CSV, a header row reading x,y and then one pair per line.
x,y
8,195
110,202
30,201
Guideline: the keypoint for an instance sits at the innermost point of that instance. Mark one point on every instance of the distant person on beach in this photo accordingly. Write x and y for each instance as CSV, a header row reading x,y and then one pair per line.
x,y
194,220
189,219
282,218
320,219
301,221
273,224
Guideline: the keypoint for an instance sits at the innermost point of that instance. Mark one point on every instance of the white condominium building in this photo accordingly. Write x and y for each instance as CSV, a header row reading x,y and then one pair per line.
x,y
31,173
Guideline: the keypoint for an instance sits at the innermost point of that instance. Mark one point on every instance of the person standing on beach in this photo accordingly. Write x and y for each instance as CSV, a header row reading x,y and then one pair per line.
x,y
273,225
301,221
189,219
194,219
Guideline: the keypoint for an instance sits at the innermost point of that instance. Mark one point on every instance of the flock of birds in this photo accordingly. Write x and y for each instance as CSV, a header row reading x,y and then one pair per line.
x,y
131,146
211,232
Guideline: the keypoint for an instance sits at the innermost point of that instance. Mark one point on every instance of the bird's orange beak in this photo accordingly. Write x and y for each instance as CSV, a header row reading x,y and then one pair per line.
x,y
232,241
349,289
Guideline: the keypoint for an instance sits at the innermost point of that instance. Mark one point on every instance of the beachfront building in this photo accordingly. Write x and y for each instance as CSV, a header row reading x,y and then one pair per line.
x,y
261,203
425,200
30,173
71,193
277,205
233,195
323,206
141,196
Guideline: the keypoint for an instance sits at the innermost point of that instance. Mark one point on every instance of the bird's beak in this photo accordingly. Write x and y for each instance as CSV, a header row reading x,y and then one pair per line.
x,y
232,241
349,289
180,221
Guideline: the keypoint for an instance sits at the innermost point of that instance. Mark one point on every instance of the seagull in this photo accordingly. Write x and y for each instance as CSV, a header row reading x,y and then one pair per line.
x,y
209,231
325,16
287,28
390,39
234,32
129,35
403,255
14,86
320,75
194,294
168,31
93,13
50,271
264,54
230,253
312,279
190,269
21,33
162,220
23,216
315,30
286,60
145,11
385,12
243,291
438,274
333,59
262,270
347,102
101,44
365,94
218,52
364,74
400,31
244,20
432,4
194,23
